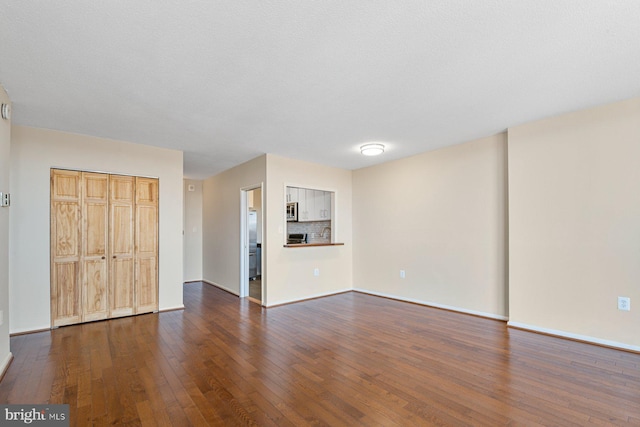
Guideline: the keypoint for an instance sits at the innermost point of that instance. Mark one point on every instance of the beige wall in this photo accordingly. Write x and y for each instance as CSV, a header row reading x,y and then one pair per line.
x,y
289,270
575,224
34,152
287,274
441,217
221,222
192,230
5,163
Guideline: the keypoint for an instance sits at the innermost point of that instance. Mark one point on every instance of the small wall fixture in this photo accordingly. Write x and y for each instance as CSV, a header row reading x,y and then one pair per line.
x,y
372,149
6,111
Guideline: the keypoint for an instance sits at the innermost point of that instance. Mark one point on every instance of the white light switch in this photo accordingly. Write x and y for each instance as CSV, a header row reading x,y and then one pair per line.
x,y
1,317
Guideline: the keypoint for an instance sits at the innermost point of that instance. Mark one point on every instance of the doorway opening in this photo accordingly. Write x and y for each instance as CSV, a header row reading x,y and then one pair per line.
x,y
252,283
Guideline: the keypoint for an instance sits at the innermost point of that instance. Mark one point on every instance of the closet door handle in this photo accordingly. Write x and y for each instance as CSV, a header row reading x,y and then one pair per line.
x,y
104,257
114,257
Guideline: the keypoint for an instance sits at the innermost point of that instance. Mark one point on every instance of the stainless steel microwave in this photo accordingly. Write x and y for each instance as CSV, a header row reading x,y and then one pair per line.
x,y
292,211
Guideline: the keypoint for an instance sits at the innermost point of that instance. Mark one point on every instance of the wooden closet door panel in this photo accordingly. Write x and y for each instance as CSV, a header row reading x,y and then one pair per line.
x,y
65,229
122,287
147,230
65,185
146,285
146,245
94,246
66,292
121,243
94,306
147,191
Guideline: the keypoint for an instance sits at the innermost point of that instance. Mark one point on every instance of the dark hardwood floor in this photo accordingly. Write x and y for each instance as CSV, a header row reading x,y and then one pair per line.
x,y
349,359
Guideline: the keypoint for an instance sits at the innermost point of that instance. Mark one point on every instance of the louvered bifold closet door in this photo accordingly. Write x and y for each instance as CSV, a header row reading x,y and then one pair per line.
x,y
146,245
95,303
121,224
66,294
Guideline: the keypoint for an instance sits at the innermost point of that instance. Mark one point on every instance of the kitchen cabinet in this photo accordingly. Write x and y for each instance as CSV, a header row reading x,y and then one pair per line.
x,y
313,205
318,204
306,205
293,194
327,206
321,205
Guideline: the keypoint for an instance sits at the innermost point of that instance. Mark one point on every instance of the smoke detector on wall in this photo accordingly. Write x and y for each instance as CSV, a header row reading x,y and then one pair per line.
x,y
6,111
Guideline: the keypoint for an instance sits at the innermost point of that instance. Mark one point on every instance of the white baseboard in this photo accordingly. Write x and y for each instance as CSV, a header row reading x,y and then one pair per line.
x,y
308,297
224,288
5,364
578,337
42,328
434,304
177,307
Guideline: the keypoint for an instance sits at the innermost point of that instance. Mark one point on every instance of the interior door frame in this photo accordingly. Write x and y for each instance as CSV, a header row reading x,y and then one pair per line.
x,y
244,241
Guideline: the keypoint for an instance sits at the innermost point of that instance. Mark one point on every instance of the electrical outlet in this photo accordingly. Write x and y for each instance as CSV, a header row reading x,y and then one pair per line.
x,y
624,303
316,272
402,274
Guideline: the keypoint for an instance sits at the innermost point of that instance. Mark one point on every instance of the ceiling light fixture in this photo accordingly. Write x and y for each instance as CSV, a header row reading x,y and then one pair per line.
x,y
372,149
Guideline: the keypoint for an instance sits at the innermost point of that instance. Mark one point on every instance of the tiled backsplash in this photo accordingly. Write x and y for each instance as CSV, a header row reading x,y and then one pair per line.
x,y
313,229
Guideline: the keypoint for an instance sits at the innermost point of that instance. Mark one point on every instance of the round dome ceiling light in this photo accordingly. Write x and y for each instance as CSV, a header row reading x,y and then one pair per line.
x,y
372,149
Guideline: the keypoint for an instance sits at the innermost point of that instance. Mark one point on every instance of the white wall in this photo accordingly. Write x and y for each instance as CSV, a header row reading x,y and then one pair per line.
x,y
574,212
221,222
441,217
34,152
192,230
290,270
5,163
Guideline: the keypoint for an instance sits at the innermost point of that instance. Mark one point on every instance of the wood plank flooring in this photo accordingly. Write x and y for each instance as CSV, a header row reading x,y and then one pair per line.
x,y
345,360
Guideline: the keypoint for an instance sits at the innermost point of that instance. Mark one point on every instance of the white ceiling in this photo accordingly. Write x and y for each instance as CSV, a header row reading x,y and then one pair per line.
x,y
226,81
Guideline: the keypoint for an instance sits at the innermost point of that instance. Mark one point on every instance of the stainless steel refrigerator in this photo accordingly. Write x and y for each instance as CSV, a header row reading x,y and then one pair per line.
x,y
254,253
